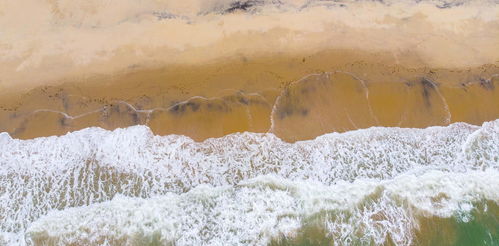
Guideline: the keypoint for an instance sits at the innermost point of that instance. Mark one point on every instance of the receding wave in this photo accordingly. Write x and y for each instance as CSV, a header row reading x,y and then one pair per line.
x,y
255,211
129,186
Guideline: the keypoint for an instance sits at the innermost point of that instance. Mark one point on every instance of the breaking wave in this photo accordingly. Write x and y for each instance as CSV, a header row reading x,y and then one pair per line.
x,y
129,186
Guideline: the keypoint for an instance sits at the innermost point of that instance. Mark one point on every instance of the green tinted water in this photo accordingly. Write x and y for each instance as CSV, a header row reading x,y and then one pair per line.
x,y
478,227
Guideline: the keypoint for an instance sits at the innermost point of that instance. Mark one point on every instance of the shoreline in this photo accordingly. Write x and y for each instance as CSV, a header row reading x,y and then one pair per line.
x,y
296,98
206,69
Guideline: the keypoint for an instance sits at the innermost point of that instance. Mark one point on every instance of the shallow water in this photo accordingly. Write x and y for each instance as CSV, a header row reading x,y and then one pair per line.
x,y
375,186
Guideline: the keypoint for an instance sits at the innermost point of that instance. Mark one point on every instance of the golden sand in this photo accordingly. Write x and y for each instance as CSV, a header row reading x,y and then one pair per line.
x,y
298,70
294,97
49,42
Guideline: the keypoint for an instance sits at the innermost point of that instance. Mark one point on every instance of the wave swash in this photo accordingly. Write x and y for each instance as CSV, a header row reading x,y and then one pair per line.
x,y
375,186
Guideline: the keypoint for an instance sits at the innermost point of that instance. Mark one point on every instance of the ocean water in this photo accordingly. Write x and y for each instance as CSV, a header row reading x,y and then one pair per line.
x,y
376,186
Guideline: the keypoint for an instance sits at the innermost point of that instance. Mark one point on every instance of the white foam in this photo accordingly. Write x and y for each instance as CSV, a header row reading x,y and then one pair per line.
x,y
257,210
93,165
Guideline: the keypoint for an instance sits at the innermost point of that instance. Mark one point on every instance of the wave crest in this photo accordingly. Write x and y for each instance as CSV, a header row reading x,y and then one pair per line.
x,y
93,165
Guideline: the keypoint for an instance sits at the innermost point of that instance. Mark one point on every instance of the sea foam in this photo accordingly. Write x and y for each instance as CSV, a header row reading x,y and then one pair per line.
x,y
101,180
255,211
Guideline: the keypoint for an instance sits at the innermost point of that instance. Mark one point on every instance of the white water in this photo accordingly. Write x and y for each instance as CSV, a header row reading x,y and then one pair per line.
x,y
242,188
259,209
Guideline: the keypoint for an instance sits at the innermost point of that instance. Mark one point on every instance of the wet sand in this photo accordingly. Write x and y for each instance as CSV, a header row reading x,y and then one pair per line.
x,y
296,98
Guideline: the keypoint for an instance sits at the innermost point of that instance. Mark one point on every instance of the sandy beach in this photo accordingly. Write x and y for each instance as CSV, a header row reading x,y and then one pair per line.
x,y
296,98
208,70
249,122
210,74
